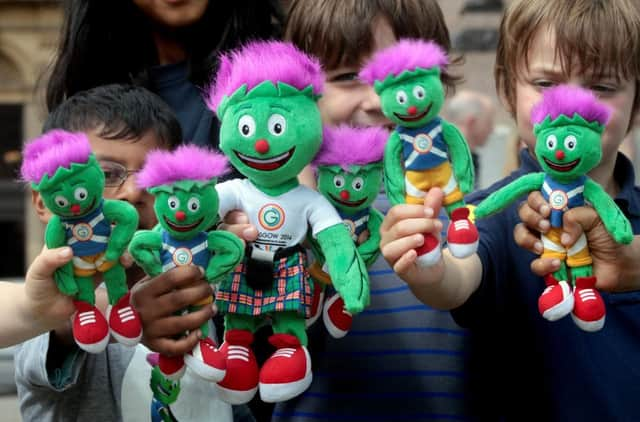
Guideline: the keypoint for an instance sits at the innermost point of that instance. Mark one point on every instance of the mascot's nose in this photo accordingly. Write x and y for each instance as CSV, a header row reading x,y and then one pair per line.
x,y
560,154
75,208
262,146
412,110
180,215
344,195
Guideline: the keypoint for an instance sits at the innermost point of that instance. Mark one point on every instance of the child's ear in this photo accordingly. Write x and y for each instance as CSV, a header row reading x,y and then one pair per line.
x,y
38,204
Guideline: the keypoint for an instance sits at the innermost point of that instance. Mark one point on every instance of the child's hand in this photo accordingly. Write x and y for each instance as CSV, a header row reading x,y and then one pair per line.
x,y
605,252
402,231
158,299
238,223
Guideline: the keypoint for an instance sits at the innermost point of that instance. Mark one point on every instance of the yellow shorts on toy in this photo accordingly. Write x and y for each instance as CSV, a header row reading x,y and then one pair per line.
x,y
418,183
576,256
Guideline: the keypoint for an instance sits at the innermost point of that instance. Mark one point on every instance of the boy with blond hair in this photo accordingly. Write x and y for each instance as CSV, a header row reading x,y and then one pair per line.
x,y
544,371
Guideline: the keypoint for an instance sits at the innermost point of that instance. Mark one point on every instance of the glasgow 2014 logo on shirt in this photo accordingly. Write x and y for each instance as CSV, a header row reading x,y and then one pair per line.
x,y
271,217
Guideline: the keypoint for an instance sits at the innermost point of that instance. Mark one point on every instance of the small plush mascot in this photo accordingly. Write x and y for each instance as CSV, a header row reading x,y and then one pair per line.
x,y
568,125
186,205
424,151
349,170
265,97
60,166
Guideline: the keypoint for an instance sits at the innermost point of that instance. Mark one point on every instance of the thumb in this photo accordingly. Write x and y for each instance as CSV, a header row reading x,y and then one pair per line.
x,y
433,202
48,261
574,223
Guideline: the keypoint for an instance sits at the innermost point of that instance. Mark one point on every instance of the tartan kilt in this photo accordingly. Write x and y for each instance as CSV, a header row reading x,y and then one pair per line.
x,y
292,290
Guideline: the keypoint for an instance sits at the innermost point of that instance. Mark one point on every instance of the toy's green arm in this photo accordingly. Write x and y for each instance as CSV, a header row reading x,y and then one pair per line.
x,y
55,237
394,170
614,220
346,268
500,199
460,156
228,251
369,250
126,218
145,248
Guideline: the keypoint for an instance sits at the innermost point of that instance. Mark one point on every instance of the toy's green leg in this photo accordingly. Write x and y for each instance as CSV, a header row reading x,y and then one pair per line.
x,y
582,271
454,206
242,322
116,281
86,289
561,274
290,323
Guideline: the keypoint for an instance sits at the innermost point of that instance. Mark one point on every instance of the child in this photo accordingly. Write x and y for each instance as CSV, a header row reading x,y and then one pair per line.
x,y
401,360
57,381
545,371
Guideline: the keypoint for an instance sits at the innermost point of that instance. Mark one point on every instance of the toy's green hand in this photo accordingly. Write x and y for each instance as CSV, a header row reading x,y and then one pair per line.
x,y
126,218
346,268
501,199
394,170
614,220
228,251
65,280
369,250
145,248
461,160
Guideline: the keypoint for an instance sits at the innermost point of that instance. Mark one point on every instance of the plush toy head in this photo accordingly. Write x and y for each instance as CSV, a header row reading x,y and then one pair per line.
x,y
60,165
407,78
183,182
568,124
349,166
265,97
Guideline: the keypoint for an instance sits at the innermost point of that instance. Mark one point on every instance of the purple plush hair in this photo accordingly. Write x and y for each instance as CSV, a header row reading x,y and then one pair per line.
x,y
569,100
346,145
54,149
188,162
406,54
260,61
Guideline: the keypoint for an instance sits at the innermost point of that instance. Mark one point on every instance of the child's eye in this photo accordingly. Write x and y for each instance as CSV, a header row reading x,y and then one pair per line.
x,y
543,83
602,89
344,77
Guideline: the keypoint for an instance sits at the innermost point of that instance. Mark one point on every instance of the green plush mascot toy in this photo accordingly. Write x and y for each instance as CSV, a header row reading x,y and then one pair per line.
x,y
349,170
186,205
424,151
265,97
61,167
568,124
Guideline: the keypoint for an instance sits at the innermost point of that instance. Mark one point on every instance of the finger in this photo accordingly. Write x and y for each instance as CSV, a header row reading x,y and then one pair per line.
x,y
393,251
236,217
126,260
48,261
399,213
175,278
433,202
406,262
536,201
247,232
544,266
177,324
532,218
575,222
173,347
526,239
176,300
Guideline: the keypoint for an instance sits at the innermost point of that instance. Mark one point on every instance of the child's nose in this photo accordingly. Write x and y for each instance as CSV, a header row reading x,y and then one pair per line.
x,y
262,146
412,110
560,154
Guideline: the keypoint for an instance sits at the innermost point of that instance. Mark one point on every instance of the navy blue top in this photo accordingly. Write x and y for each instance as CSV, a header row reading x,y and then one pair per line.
x,y
547,370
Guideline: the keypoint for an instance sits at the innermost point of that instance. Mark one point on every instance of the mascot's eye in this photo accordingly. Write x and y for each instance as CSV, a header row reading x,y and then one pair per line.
x,y
570,142
173,202
418,92
193,205
357,183
247,126
338,181
80,194
61,201
401,97
277,124
552,141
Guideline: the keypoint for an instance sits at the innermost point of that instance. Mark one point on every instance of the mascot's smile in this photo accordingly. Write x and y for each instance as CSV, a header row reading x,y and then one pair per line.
x,y
266,164
348,203
410,118
562,167
181,228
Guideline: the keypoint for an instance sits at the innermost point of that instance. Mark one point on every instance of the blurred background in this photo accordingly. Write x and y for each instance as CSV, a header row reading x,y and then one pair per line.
x,y
28,39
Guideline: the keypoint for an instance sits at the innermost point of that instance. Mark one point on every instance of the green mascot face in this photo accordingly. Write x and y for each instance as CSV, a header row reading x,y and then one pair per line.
x,y
412,101
74,192
569,151
353,190
185,208
270,138
164,390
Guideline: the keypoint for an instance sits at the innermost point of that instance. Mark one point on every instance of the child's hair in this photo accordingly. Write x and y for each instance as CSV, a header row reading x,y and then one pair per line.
x,y
602,36
117,112
339,32
366,146
104,42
